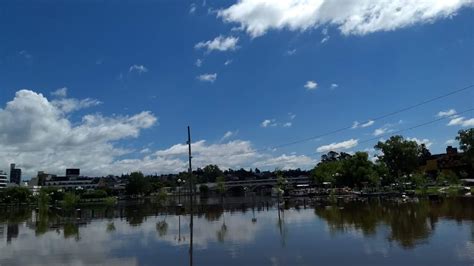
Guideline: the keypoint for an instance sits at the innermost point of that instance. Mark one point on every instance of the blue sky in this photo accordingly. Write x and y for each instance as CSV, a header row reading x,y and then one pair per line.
x,y
279,72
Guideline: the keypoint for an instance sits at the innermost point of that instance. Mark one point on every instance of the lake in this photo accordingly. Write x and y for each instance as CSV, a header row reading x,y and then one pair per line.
x,y
244,232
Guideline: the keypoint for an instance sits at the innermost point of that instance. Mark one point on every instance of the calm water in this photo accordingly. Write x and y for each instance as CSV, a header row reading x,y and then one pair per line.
x,y
375,233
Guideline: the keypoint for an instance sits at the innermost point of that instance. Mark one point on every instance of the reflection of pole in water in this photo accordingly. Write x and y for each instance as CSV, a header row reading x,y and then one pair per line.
x,y
191,201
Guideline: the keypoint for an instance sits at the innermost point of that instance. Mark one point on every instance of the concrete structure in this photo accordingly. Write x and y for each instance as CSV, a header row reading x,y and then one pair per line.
x,y
70,184
3,180
252,185
15,174
73,173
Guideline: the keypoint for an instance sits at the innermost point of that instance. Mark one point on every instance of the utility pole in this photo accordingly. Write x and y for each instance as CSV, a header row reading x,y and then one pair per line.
x,y
191,190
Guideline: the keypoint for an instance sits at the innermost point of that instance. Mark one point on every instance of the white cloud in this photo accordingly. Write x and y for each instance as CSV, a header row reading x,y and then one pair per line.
x,y
68,105
381,131
356,124
338,146
220,43
198,63
325,39
450,142
447,113
227,62
229,134
461,121
38,135
427,142
291,52
62,92
287,124
138,68
357,17
311,85
368,123
292,116
334,86
208,77
192,9
268,123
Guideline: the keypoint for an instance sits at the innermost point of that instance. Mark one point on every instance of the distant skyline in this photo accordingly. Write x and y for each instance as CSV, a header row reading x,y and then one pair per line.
x,y
110,87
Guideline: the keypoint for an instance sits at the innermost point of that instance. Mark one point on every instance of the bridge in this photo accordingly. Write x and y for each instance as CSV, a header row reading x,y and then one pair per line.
x,y
252,185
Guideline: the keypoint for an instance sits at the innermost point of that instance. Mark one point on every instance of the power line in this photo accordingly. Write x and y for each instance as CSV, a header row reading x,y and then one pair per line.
x,y
373,119
404,129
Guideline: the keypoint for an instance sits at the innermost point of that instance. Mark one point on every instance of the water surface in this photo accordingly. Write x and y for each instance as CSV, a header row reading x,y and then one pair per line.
x,y
255,233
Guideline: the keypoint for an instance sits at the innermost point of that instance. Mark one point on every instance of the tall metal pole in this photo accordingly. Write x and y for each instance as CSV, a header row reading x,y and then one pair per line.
x,y
191,190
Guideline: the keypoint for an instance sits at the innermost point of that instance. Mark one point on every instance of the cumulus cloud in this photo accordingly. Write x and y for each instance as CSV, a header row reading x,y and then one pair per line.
x,y
450,142
381,131
344,145
138,68
356,124
268,123
461,121
227,62
38,135
287,124
220,43
351,17
427,142
447,113
62,92
334,86
208,77
311,85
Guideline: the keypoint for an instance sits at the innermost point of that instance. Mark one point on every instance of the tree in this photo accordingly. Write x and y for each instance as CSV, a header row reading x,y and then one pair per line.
x,y
137,184
466,144
400,156
357,170
326,172
211,172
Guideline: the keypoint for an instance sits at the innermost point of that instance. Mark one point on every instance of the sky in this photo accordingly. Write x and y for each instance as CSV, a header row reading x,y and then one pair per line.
x,y
111,86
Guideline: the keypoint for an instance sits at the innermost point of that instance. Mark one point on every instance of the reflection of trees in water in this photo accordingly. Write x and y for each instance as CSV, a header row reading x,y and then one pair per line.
x,y
162,228
409,222
110,227
71,230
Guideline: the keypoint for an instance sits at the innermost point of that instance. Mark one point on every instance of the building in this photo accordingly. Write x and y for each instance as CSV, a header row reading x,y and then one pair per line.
x,y
452,160
73,173
3,180
71,181
15,174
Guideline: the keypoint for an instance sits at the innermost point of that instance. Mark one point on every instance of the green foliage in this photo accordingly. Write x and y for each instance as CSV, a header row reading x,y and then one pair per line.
x,y
447,177
15,195
357,171
204,190
466,144
94,194
346,170
138,184
220,184
70,201
401,156
211,172
326,172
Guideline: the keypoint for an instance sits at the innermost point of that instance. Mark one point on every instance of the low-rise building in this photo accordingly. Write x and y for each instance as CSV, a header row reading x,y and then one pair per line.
x,y
3,180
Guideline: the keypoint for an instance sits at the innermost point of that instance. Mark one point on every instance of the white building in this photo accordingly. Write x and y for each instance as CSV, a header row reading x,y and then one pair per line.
x,y
3,180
